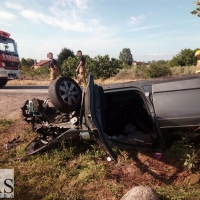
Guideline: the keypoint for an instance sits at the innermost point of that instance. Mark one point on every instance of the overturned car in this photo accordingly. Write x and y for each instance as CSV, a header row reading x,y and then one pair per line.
x,y
140,114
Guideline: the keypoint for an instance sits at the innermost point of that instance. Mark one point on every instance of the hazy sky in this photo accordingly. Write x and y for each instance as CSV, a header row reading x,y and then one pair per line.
x,y
152,29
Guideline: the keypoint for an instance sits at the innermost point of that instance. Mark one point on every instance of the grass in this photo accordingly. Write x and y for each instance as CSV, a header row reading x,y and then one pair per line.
x,y
4,125
80,170
28,82
179,193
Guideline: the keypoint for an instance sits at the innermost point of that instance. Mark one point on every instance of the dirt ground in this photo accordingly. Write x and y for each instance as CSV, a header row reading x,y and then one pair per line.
x,y
147,170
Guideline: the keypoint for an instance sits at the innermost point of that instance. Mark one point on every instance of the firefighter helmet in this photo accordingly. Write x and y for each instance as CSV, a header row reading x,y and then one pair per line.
x,y
197,53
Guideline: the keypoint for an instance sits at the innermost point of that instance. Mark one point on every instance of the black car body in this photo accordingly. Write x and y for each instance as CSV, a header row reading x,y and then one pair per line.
x,y
139,114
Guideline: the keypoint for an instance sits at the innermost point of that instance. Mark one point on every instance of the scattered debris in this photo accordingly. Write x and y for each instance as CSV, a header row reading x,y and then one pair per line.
x,y
11,144
158,155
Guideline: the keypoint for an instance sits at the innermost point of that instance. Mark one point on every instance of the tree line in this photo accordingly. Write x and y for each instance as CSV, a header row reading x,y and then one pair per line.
x,y
100,66
105,67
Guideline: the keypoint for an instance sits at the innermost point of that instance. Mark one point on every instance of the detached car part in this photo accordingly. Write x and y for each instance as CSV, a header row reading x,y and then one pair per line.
x,y
50,125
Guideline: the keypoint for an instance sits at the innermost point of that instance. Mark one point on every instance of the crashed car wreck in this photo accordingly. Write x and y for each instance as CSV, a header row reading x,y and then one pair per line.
x,y
139,114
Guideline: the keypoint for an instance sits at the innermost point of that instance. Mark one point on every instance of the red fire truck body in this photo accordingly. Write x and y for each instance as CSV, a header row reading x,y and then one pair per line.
x,y
9,59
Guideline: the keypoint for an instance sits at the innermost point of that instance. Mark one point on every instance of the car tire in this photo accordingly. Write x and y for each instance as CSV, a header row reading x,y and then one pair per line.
x,y
65,94
3,82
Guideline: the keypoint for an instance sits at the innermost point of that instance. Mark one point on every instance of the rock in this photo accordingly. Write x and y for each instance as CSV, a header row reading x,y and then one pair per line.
x,y
140,193
192,179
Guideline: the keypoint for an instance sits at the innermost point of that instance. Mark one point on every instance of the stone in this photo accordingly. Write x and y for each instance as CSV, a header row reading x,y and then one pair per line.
x,y
140,193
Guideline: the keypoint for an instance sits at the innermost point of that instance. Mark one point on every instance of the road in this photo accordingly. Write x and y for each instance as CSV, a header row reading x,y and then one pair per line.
x,y
25,89
13,97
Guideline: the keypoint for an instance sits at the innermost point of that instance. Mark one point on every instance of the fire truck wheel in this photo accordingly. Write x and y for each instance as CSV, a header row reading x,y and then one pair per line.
x,y
65,94
3,82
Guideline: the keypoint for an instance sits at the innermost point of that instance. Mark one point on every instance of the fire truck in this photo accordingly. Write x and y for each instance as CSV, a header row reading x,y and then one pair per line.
x,y
9,59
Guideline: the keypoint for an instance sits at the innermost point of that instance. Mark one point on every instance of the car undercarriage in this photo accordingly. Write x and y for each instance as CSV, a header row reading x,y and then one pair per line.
x,y
136,116
125,119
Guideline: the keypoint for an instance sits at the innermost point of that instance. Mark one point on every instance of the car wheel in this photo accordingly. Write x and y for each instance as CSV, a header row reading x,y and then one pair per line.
x,y
65,94
3,82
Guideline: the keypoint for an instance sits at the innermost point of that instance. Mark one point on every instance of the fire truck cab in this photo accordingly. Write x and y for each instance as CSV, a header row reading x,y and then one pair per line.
x,y
9,59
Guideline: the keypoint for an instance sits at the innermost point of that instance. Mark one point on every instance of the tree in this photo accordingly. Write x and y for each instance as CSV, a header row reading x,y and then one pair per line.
x,y
125,56
63,55
30,62
197,10
68,67
106,67
23,62
184,58
100,66
91,66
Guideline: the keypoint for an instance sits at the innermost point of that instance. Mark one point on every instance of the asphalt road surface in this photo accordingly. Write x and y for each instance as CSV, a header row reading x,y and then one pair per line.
x,y
25,89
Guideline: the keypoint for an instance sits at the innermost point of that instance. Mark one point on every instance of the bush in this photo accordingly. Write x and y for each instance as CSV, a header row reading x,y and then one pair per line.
x,y
125,74
68,67
140,72
101,66
183,70
126,66
135,72
156,71
30,73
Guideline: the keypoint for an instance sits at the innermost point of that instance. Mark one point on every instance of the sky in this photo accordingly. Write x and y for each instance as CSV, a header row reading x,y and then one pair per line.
x,y
151,29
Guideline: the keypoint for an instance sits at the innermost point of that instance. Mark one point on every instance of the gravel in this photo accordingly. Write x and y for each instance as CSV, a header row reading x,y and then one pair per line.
x,y
11,103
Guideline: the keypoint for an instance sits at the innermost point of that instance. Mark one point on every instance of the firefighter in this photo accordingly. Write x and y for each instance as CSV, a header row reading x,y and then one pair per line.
x,y
197,55
81,69
54,72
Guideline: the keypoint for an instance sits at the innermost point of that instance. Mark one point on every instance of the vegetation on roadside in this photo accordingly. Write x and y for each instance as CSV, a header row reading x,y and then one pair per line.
x,y
114,70
184,58
34,74
81,171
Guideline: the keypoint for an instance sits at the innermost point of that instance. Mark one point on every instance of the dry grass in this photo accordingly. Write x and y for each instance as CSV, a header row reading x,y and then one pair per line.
x,y
28,82
111,81
183,70
40,82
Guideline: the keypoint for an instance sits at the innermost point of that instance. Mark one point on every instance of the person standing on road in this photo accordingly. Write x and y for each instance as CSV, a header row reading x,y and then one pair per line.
x,y
54,72
81,69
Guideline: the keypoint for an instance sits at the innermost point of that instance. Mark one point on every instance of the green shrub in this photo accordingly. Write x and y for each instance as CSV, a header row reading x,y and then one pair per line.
x,y
101,66
156,71
30,73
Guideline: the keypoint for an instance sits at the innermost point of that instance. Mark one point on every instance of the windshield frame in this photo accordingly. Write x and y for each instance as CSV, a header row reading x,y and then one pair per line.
x,y
5,40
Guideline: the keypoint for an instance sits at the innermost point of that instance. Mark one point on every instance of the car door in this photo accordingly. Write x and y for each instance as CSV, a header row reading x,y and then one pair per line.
x,y
93,118
177,103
